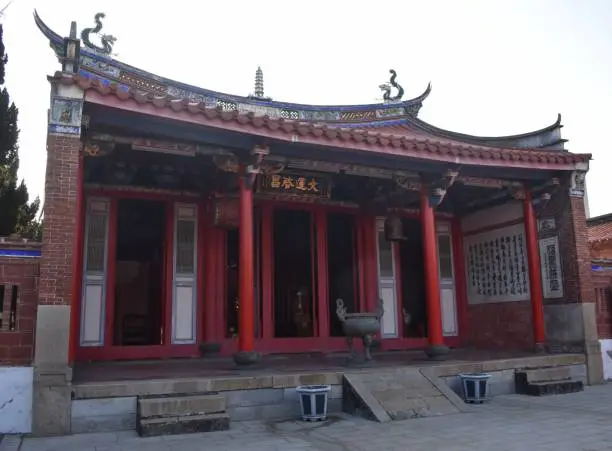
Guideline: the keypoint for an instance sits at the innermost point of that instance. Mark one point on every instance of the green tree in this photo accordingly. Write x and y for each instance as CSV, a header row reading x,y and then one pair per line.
x,y
17,215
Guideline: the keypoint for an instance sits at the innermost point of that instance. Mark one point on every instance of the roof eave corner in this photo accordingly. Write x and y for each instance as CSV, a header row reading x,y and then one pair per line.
x,y
417,102
55,39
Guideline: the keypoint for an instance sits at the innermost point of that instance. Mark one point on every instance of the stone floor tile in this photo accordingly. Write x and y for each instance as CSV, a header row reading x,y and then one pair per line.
x,y
10,442
581,421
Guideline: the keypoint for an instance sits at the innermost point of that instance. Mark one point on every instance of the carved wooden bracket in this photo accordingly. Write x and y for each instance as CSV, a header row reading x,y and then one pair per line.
x,y
97,148
517,193
439,185
226,163
448,179
436,196
406,183
545,192
272,168
254,167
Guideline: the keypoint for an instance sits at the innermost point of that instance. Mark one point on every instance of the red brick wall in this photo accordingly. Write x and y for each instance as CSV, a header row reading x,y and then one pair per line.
x,y
603,250
574,247
500,325
509,324
16,346
602,284
60,216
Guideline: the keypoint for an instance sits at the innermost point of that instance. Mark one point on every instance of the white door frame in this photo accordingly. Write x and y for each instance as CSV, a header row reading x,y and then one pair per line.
x,y
448,294
387,289
184,285
93,290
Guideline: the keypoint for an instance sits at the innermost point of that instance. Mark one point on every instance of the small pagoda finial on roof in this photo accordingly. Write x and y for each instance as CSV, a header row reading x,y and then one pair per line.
x,y
259,86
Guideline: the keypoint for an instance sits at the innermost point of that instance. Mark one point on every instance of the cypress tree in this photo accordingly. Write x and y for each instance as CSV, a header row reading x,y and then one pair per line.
x,y
17,215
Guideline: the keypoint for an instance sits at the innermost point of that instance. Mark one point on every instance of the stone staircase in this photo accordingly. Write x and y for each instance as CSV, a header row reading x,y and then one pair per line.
x,y
546,381
165,415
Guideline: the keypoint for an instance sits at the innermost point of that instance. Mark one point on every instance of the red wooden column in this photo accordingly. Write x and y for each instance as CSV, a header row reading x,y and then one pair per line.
x,y
246,320
436,348
535,276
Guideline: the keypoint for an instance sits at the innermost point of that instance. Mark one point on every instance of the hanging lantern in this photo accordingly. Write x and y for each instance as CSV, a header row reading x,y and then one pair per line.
x,y
394,229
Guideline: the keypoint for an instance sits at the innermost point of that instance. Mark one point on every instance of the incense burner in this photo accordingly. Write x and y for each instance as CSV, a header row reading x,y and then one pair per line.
x,y
359,325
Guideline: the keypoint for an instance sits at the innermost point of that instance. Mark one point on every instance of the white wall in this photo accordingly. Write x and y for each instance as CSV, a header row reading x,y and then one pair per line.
x,y
587,211
606,346
490,217
16,399
491,248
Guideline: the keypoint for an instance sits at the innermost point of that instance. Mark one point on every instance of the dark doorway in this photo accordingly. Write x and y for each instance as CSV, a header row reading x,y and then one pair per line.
x,y
293,237
341,266
413,280
139,272
231,283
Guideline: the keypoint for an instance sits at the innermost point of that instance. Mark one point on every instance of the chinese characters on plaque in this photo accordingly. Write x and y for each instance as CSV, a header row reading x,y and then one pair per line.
x,y
552,282
294,184
497,266
551,267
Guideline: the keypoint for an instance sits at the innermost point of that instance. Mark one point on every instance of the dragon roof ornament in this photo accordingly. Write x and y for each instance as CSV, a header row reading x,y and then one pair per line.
x,y
386,88
107,40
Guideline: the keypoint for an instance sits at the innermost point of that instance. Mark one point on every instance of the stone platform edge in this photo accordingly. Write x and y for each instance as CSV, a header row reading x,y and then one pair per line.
x,y
127,388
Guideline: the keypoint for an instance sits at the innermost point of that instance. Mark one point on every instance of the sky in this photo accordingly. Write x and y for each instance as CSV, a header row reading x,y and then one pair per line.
x,y
497,67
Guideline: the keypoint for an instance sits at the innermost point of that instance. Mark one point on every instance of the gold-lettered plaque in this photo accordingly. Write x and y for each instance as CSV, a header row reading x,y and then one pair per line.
x,y
294,184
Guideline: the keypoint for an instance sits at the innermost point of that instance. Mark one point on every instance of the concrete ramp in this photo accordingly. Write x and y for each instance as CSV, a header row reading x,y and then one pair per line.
x,y
398,394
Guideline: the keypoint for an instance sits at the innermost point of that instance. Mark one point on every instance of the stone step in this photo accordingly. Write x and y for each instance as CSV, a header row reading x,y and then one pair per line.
x,y
554,388
177,406
151,427
531,383
557,373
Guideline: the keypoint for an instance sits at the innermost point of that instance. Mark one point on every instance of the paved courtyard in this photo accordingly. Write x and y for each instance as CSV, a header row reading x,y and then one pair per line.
x,y
574,422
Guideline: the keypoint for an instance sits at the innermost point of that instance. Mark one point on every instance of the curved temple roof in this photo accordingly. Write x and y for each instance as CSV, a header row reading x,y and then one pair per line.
x,y
399,114
382,140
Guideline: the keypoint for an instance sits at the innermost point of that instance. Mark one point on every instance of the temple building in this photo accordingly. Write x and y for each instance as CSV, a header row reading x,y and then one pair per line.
x,y
182,222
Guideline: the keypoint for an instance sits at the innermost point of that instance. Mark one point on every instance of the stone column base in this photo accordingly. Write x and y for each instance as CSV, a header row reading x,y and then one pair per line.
x,y
540,348
594,362
246,359
437,352
52,406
